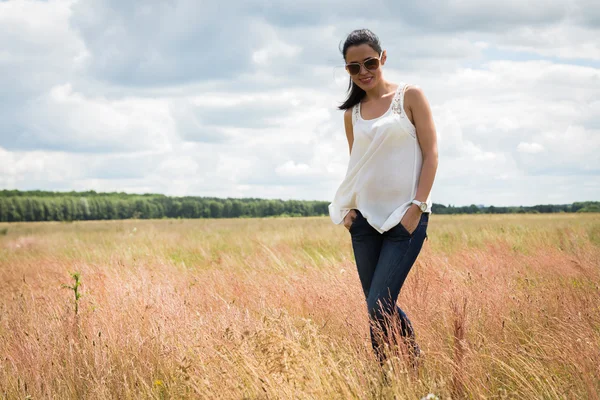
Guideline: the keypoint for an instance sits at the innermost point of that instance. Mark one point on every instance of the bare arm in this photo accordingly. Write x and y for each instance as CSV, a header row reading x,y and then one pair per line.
x,y
351,215
422,118
348,127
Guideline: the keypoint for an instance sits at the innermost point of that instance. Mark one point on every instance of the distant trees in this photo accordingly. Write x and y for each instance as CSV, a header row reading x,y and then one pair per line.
x,y
16,206
590,206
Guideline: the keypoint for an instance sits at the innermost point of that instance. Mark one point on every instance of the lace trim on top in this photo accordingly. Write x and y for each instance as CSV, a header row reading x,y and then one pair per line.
x,y
398,102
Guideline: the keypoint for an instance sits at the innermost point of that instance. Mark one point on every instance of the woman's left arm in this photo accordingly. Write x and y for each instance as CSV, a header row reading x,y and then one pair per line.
x,y
423,121
420,114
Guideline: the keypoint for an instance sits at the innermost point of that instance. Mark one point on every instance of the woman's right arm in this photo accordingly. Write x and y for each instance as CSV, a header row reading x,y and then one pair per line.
x,y
348,127
349,218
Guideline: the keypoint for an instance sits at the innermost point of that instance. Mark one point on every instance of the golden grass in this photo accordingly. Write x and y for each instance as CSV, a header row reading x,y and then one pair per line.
x,y
504,307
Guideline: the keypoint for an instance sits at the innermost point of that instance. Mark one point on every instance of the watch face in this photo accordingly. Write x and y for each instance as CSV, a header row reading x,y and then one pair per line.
x,y
423,207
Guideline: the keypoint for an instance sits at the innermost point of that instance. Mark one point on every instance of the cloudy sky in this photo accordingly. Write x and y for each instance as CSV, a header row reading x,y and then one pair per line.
x,y
238,98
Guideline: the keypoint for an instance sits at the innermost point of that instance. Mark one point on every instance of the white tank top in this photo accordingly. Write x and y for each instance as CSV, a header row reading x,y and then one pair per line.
x,y
384,168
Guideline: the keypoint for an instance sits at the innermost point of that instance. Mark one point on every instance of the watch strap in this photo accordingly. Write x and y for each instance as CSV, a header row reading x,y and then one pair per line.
x,y
422,206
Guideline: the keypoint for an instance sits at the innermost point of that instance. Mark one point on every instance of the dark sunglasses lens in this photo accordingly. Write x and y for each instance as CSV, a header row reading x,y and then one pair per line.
x,y
372,64
353,69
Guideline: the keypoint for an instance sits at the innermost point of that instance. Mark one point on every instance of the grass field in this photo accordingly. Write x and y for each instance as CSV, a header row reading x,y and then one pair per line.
x,y
504,307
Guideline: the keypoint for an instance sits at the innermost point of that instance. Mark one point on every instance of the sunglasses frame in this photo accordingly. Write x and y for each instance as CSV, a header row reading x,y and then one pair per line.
x,y
362,64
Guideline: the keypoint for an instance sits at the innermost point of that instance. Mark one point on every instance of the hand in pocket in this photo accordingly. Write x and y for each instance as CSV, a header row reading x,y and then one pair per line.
x,y
349,219
411,219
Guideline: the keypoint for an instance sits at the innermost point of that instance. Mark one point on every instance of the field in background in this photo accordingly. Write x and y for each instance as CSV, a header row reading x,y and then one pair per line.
x,y
504,307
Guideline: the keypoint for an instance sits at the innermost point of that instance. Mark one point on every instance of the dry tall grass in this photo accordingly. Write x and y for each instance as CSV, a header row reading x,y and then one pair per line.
x,y
503,306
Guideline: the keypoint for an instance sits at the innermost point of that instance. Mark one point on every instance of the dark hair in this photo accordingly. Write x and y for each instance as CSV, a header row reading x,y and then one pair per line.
x,y
356,38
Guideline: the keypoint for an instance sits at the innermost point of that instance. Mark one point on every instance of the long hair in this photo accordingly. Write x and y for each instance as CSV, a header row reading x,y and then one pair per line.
x,y
356,38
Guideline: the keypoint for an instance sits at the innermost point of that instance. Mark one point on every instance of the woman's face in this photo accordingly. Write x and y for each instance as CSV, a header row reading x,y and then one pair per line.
x,y
365,79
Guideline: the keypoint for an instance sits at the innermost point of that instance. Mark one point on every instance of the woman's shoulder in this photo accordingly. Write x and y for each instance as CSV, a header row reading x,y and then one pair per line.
x,y
414,94
411,89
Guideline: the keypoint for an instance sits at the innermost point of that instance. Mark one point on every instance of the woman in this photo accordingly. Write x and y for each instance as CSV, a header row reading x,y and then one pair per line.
x,y
384,200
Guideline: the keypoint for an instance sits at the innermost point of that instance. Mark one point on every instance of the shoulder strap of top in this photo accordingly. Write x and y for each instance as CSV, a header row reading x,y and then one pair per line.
x,y
355,113
398,101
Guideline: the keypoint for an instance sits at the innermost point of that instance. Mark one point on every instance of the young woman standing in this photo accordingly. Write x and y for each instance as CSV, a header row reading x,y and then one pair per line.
x,y
384,199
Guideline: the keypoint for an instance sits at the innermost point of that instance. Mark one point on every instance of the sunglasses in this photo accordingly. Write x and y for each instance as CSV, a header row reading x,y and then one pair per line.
x,y
370,64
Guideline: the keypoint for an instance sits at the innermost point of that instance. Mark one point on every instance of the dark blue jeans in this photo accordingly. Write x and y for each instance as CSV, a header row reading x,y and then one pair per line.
x,y
383,261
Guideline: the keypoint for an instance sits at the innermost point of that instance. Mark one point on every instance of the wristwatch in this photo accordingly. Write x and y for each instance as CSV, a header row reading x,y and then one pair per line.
x,y
422,206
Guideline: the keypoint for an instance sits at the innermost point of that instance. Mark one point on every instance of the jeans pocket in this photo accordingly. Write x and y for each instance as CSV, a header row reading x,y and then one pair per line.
x,y
423,220
402,230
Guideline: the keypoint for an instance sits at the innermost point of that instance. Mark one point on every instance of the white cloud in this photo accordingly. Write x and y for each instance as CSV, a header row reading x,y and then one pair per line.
x,y
182,98
531,148
65,119
571,152
563,40
274,50
291,169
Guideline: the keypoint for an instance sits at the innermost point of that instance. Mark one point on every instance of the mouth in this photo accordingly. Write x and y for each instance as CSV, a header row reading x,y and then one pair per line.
x,y
366,80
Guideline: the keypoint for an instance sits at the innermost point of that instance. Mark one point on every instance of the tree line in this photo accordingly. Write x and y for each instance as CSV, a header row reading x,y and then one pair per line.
x,y
22,206
584,206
